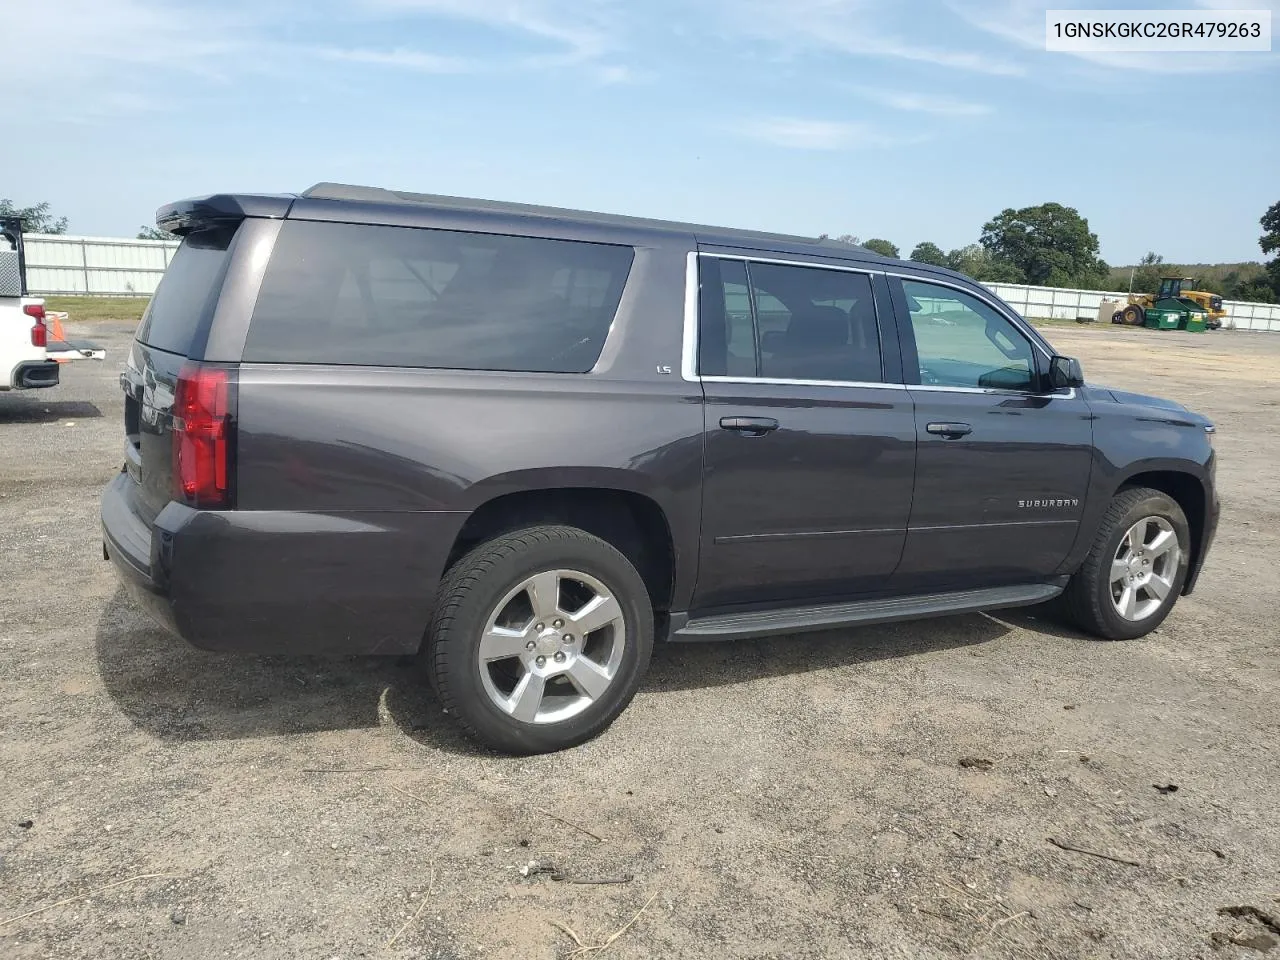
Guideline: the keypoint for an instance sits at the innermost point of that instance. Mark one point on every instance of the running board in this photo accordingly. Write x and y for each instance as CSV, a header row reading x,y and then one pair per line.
x,y
766,623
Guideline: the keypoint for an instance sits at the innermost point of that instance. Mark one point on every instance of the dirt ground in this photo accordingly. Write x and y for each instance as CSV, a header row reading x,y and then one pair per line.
x,y
883,792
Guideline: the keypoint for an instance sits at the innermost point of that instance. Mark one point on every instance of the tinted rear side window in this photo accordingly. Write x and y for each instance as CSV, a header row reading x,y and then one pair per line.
x,y
399,296
183,303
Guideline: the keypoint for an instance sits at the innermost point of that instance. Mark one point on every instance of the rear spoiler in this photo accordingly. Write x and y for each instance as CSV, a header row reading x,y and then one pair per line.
x,y
183,216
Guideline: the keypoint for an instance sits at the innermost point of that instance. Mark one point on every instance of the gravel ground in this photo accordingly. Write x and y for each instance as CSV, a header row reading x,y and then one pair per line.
x,y
883,792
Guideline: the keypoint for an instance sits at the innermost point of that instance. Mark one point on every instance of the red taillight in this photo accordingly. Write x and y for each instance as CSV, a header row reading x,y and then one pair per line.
x,y
39,332
201,436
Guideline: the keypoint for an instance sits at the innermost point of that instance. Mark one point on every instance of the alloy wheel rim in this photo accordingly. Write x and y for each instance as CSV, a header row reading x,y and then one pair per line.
x,y
552,646
1144,568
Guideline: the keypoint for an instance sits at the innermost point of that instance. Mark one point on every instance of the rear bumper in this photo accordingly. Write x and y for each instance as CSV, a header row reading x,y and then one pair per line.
x,y
35,374
280,582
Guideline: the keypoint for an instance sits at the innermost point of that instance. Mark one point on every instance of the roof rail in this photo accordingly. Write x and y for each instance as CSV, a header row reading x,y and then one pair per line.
x,y
346,191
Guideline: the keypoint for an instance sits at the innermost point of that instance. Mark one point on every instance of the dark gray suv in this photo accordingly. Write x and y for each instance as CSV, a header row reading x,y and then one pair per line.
x,y
526,442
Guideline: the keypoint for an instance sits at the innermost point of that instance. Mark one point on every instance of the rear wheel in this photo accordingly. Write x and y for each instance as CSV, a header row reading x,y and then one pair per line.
x,y
540,639
1133,315
1135,570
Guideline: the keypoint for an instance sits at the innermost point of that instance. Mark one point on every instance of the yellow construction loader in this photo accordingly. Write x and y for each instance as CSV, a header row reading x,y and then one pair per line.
x,y
1172,289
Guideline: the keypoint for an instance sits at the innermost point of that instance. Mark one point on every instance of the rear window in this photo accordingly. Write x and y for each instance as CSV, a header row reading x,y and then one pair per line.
x,y
183,302
407,297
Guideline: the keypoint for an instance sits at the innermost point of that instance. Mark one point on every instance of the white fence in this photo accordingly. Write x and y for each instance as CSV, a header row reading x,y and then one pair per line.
x,y
104,266
1062,304
95,266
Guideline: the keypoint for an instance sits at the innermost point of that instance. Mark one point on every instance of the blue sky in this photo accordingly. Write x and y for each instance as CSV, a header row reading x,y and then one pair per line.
x,y
909,121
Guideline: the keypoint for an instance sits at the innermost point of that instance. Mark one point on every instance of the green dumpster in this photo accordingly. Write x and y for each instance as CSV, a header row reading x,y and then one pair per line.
x,y
1162,318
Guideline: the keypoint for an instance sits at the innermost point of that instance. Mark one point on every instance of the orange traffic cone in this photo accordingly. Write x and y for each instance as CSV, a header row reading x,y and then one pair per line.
x,y
54,322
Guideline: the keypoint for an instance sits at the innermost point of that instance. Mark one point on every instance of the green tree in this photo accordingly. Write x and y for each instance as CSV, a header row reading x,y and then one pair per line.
x,y
976,261
1146,275
153,233
882,247
1270,241
999,271
1050,245
931,253
968,259
35,219
1257,290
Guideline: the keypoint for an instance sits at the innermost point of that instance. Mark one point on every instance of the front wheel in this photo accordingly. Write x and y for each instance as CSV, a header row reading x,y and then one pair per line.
x,y
1135,570
540,638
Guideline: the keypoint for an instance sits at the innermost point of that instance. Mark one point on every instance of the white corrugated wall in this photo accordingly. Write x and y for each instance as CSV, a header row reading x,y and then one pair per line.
x,y
1058,303
95,265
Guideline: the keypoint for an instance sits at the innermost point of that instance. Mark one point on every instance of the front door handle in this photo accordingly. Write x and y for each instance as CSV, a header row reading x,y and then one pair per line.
x,y
749,426
950,431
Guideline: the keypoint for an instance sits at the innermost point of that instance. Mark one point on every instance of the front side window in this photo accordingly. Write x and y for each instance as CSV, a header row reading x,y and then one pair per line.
x,y
399,296
787,322
962,342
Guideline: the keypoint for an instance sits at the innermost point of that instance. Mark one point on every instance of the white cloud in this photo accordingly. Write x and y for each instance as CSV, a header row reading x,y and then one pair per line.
x,y
103,59
111,58
561,34
616,74
581,30
801,133
848,26
402,58
923,103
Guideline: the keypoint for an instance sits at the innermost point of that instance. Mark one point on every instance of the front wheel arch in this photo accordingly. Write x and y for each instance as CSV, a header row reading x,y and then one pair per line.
x,y
1089,599
1188,492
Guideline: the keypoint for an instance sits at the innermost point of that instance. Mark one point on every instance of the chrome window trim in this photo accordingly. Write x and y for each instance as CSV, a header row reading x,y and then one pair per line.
x,y
1009,315
992,391
689,343
779,381
789,263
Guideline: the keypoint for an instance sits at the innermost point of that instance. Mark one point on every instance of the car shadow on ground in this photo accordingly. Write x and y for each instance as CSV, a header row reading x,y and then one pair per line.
x,y
683,666
29,409
1046,620
176,692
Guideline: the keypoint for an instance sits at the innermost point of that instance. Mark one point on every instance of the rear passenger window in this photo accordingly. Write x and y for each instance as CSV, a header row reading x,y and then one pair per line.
x,y
406,297
787,323
183,303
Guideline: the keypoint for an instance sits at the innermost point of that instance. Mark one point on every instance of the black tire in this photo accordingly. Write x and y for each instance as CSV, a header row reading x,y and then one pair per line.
x,y
1088,599
471,590
1133,315
1117,317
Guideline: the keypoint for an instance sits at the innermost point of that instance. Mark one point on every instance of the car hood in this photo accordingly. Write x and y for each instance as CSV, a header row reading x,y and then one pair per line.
x,y
1102,394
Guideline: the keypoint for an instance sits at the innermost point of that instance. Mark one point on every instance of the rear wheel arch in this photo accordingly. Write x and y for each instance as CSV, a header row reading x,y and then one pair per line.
x,y
633,523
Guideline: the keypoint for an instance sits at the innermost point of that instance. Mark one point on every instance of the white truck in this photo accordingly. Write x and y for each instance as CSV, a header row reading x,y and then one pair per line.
x,y
29,357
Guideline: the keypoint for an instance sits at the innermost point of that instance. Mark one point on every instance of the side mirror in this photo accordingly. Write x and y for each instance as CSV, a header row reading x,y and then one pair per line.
x,y
1065,372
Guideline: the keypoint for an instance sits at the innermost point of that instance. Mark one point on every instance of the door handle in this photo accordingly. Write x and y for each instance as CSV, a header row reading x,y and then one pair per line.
x,y
749,426
950,431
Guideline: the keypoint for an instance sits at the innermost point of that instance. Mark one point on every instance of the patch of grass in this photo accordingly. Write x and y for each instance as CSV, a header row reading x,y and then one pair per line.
x,y
91,309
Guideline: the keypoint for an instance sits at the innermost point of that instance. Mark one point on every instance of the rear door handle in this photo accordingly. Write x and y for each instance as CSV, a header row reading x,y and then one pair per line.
x,y
950,431
749,426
